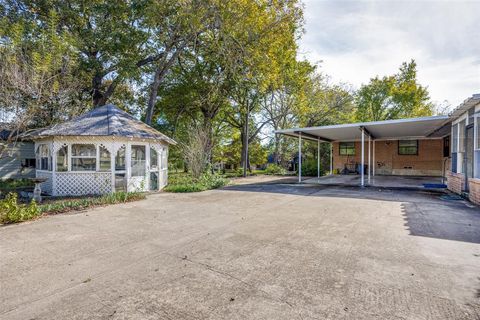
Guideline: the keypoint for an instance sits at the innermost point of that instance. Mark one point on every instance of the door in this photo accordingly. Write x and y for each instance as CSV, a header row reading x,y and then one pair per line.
x,y
468,154
138,168
154,183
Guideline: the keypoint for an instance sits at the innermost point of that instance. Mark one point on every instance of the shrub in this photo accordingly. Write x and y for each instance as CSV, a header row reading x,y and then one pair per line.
x,y
309,168
10,184
12,212
187,183
275,169
66,205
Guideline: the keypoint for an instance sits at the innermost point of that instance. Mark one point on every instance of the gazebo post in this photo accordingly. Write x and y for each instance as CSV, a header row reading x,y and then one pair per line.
x,y
128,164
112,164
53,152
362,170
300,157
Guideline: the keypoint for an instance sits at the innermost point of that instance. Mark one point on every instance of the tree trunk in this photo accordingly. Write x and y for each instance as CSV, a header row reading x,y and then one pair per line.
x,y
245,139
163,66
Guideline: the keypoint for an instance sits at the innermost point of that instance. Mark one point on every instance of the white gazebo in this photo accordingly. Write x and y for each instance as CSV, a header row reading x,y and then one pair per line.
x,y
102,151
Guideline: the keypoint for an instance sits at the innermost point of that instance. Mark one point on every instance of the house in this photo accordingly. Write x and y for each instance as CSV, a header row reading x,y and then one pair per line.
x,y
464,173
433,150
17,156
101,151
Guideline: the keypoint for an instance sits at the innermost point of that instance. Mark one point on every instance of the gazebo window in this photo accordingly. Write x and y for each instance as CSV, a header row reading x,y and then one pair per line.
x,y
105,161
164,159
120,159
153,159
62,159
84,157
138,161
43,157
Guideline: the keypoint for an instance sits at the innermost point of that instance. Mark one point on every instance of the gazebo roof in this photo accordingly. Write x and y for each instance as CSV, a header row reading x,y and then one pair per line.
x,y
107,120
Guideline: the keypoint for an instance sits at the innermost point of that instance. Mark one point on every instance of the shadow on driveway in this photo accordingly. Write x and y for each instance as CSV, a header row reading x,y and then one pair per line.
x,y
424,212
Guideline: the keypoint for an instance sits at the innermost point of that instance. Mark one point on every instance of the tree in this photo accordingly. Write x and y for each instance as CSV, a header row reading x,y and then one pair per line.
x,y
394,97
262,42
38,73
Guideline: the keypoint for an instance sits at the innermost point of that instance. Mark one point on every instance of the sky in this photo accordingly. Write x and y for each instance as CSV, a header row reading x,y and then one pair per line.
x,y
353,41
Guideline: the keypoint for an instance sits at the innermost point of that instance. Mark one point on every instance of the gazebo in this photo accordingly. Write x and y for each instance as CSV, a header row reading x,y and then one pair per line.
x,y
102,151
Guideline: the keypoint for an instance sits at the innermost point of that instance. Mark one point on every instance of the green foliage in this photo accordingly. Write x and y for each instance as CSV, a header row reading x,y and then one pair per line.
x,y
275,169
10,184
65,205
12,212
183,182
309,168
394,97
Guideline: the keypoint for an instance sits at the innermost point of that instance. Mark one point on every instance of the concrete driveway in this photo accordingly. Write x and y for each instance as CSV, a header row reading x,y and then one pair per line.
x,y
249,251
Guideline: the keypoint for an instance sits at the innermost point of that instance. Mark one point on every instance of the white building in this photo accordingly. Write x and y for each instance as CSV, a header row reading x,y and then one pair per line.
x,y
102,151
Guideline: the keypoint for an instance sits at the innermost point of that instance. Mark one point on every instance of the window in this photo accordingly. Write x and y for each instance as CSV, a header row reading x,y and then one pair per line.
x,y
84,157
408,147
138,161
105,161
43,157
29,163
62,159
120,159
478,132
347,148
446,147
455,138
153,159
461,135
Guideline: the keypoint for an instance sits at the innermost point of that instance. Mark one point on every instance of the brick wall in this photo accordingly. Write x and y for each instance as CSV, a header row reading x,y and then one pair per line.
x,y
428,162
474,192
455,182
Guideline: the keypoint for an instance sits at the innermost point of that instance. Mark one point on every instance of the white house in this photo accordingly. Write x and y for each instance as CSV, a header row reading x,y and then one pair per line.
x,y
102,151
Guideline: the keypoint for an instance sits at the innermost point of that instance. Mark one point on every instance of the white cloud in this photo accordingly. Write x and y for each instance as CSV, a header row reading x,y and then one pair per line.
x,y
359,40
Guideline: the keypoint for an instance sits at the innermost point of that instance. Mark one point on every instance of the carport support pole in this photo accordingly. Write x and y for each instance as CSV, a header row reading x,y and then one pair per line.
x,y
369,167
373,162
318,158
331,158
300,157
362,168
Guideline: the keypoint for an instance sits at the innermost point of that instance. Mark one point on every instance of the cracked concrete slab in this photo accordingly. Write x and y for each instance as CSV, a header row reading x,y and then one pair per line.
x,y
254,250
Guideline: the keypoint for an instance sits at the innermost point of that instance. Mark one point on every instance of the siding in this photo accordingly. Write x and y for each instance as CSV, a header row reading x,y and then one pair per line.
x,y
11,163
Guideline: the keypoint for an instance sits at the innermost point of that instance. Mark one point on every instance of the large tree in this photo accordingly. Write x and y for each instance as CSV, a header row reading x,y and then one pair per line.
x,y
394,97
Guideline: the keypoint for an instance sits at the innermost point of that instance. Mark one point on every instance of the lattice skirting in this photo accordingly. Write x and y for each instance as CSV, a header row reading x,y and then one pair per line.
x,y
72,183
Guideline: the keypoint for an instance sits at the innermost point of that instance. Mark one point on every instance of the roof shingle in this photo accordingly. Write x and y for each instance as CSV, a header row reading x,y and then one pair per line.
x,y
107,120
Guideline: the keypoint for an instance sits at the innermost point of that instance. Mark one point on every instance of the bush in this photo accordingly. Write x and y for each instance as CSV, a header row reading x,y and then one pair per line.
x,y
12,212
275,169
11,184
187,183
66,205
309,168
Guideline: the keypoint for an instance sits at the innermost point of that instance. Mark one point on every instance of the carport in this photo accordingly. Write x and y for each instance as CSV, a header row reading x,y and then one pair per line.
x,y
429,130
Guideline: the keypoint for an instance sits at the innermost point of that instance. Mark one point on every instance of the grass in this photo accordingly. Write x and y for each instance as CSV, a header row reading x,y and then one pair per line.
x,y
11,211
183,182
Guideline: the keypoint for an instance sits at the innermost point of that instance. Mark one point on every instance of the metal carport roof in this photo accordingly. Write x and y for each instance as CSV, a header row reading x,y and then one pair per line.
x,y
413,128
